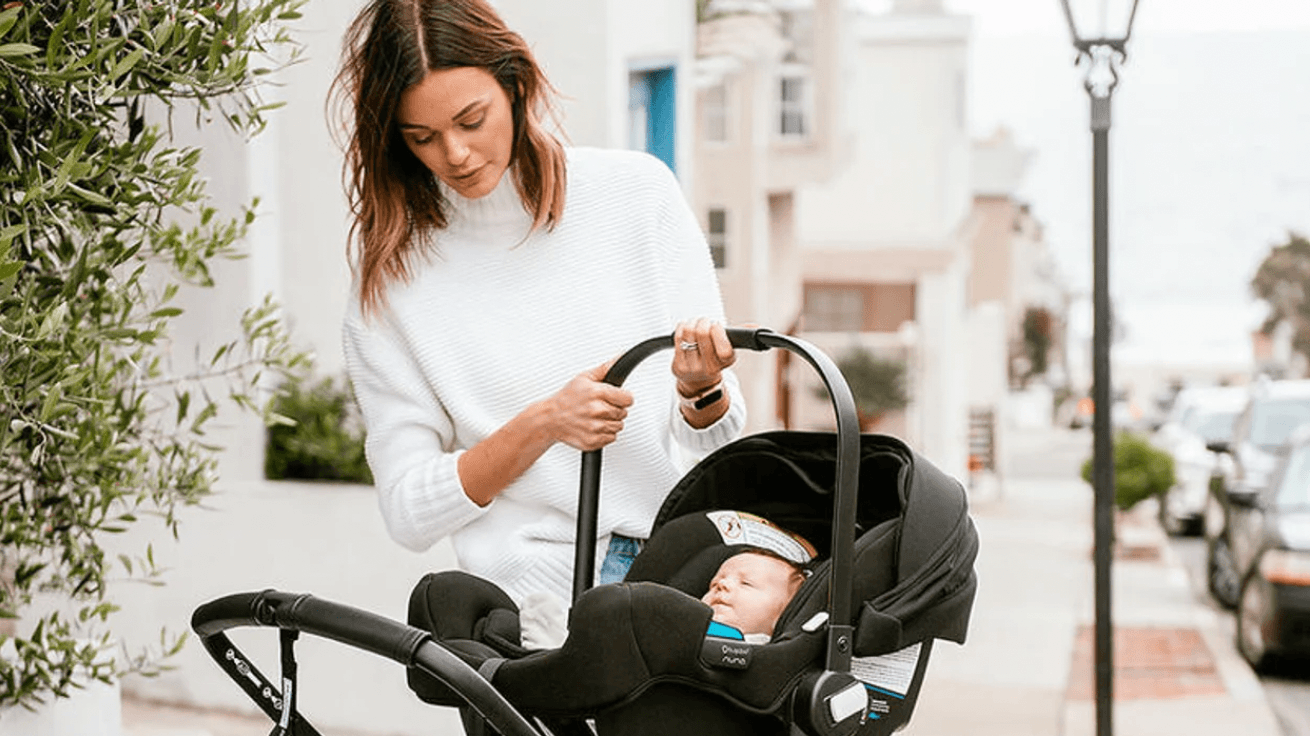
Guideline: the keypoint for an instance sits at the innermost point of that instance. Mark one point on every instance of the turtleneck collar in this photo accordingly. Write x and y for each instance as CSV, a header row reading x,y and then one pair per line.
x,y
500,210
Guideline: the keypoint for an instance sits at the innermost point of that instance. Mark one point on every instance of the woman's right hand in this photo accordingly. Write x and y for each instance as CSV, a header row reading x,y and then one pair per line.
x,y
588,413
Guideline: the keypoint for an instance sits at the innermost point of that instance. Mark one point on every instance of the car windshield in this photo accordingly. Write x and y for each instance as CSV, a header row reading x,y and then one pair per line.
x,y
1294,490
1212,426
1272,421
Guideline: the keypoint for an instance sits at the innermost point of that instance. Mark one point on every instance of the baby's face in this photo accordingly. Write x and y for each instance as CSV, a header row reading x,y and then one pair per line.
x,y
750,590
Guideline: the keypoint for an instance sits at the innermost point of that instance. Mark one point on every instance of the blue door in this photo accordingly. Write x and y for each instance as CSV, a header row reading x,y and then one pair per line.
x,y
652,113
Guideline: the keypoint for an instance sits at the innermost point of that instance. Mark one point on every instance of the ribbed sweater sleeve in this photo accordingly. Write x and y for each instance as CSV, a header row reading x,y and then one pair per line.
x,y
410,443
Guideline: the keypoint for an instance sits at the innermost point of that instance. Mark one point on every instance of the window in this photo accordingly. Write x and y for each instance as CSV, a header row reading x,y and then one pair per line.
x,y
834,308
792,103
714,109
871,307
717,236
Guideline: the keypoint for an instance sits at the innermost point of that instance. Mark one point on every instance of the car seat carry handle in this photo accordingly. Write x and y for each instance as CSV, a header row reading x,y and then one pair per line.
x,y
362,629
840,612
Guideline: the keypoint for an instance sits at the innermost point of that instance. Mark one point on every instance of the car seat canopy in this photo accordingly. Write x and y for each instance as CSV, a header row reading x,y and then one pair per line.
x,y
913,575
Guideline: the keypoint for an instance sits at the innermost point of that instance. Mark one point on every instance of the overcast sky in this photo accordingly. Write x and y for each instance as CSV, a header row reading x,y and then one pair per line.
x,y
1014,17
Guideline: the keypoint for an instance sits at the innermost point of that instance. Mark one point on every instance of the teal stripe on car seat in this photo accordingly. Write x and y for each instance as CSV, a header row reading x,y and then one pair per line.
x,y
724,631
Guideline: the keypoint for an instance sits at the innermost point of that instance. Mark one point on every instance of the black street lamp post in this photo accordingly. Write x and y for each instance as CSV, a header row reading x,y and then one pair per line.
x,y
1100,30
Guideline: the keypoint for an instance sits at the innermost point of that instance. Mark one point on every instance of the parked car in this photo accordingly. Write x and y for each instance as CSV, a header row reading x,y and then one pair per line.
x,y
1269,534
1199,416
1262,430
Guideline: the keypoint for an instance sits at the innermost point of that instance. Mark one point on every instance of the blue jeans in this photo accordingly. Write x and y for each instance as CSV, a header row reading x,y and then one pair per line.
x,y
618,558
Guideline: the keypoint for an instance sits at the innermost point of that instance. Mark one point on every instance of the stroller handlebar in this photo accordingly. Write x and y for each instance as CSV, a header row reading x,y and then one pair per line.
x,y
408,645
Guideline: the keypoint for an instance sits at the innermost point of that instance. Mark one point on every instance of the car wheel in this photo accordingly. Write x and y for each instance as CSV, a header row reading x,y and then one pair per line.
x,y
1251,642
1221,573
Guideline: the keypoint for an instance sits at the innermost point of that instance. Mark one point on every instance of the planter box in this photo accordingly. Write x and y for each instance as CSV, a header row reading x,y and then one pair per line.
x,y
91,711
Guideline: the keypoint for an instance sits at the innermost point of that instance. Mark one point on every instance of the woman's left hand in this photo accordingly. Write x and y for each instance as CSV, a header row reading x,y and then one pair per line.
x,y
701,351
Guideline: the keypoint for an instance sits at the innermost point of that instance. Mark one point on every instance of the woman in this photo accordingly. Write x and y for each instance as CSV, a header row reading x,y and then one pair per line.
x,y
496,274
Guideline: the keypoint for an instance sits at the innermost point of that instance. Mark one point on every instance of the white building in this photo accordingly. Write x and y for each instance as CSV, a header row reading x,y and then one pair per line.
x,y
885,239
769,89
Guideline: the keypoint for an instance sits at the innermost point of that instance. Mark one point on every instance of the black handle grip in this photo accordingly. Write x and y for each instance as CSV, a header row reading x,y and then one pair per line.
x,y
304,612
230,611
740,337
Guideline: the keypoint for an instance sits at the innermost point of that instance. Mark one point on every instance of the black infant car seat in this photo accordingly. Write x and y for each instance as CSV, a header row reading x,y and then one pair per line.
x,y
643,657
895,549
848,654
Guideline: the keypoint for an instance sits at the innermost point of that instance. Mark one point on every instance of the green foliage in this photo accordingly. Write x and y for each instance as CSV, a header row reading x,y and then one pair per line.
x,y
102,221
1141,470
323,441
1283,282
877,384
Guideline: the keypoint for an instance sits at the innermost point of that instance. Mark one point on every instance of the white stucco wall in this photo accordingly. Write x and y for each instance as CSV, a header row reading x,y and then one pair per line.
x,y
323,539
942,402
908,181
588,47
312,219
987,376
570,41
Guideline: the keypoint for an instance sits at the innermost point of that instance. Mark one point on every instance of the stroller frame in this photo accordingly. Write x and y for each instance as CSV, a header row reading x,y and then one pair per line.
x,y
413,647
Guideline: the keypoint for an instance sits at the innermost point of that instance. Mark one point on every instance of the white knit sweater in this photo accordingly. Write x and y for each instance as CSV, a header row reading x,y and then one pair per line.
x,y
491,322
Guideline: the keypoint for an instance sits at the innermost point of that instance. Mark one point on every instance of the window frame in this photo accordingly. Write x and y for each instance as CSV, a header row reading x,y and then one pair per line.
x,y
717,240
802,108
717,112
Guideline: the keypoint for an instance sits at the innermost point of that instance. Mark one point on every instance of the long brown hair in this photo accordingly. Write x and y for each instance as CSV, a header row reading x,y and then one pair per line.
x,y
395,200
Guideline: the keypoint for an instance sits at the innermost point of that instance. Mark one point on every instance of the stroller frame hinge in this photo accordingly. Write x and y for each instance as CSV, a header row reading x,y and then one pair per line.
x,y
841,641
287,724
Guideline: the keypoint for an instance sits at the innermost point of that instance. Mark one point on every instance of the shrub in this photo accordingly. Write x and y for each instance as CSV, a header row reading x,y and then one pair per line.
x,y
1140,470
102,221
877,384
326,441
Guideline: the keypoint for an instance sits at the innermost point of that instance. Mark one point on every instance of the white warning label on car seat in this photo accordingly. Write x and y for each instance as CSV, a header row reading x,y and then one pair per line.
x,y
738,527
891,673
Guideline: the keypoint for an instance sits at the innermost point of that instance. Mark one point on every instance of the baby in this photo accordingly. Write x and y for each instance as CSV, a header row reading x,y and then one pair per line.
x,y
749,591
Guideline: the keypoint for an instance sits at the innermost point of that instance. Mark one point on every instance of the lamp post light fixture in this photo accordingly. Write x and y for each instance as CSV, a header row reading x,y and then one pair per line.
x,y
1100,31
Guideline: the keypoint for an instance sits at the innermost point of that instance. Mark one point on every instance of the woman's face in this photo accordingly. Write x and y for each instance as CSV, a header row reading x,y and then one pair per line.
x,y
458,122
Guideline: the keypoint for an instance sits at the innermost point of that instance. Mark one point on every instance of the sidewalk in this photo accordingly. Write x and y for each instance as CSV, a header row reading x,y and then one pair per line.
x,y
1028,666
